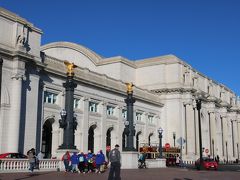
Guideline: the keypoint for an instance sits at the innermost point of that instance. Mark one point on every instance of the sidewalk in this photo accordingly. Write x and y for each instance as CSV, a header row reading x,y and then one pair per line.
x,y
138,174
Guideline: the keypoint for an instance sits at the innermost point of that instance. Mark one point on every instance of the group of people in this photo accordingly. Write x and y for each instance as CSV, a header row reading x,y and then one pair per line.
x,y
84,163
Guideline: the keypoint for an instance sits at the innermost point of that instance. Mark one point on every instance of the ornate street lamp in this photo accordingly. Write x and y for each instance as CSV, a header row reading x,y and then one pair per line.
x,y
160,131
129,129
199,98
68,120
174,138
62,121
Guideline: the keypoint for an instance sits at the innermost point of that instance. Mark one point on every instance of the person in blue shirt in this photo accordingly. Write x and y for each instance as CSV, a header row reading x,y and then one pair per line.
x,y
74,162
90,161
100,160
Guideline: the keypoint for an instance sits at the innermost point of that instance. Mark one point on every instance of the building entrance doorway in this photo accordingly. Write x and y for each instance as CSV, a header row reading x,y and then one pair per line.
x,y
47,139
91,138
108,141
137,139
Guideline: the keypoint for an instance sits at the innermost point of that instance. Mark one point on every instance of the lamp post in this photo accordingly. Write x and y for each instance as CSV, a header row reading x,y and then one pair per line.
x,y
68,120
174,137
160,131
129,129
199,106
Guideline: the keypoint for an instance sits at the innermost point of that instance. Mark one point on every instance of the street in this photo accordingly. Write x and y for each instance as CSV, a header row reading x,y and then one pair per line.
x,y
224,173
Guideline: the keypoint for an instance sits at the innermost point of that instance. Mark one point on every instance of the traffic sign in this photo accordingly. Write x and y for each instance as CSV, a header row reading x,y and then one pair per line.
x,y
167,145
181,141
206,151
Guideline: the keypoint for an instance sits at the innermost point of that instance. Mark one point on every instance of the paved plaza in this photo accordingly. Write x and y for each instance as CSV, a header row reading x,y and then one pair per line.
x,y
139,174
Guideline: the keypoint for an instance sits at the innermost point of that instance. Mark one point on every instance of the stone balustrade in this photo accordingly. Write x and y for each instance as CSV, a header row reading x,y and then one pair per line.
x,y
21,165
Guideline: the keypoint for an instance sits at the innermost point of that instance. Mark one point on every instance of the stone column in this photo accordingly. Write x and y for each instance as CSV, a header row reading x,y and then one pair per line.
x,y
196,131
15,112
238,136
225,137
218,136
85,124
212,134
55,138
235,135
190,139
101,142
229,139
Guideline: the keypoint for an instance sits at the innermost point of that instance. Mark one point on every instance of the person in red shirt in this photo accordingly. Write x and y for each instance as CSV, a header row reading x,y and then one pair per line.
x,y
66,160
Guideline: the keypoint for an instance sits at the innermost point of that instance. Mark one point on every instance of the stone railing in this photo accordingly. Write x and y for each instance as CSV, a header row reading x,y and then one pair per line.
x,y
21,165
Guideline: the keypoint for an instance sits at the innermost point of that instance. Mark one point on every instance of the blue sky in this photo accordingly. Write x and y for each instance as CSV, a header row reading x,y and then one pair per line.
x,y
204,33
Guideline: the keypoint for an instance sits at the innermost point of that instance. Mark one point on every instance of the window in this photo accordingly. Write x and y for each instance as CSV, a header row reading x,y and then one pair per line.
x,y
93,107
150,119
50,97
138,116
124,114
76,103
110,110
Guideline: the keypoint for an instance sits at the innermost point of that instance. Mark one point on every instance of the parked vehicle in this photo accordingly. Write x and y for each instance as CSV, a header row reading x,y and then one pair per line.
x,y
13,156
208,163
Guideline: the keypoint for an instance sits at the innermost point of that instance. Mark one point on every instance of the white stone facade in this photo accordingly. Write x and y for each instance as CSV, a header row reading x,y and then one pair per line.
x,y
165,89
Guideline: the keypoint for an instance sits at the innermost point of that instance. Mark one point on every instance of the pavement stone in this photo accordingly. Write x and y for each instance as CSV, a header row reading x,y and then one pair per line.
x,y
137,174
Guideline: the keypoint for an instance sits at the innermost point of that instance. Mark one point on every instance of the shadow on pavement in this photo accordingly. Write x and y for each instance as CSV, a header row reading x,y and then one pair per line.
x,y
32,175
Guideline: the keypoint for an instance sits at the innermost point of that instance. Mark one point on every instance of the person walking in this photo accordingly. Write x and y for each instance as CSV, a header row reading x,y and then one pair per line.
x,y
142,160
32,159
115,158
177,160
100,159
66,160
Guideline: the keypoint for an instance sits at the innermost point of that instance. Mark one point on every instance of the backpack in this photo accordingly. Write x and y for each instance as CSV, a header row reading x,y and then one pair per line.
x,y
81,159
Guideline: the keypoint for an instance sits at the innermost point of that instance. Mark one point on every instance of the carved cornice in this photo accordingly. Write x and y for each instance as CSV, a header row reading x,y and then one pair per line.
x,y
15,18
174,90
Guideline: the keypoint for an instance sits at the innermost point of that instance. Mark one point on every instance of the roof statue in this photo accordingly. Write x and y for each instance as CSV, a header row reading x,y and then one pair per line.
x,y
129,87
70,67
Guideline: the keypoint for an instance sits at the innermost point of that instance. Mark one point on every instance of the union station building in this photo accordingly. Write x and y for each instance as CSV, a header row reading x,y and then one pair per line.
x,y
166,89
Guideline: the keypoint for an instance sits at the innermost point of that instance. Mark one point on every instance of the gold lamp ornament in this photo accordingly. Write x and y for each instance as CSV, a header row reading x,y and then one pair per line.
x,y
129,88
70,68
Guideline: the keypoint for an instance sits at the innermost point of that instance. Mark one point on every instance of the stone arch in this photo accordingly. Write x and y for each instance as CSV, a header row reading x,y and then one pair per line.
x,y
91,138
89,54
109,139
150,138
137,139
47,136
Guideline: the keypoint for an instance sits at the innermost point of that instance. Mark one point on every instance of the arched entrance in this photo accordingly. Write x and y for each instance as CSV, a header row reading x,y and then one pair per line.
x,y
137,139
108,140
47,139
91,138
149,139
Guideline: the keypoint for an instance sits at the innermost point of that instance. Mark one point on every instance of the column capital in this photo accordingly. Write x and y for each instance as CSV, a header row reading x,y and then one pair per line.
x,y
85,99
18,76
187,103
211,112
103,103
